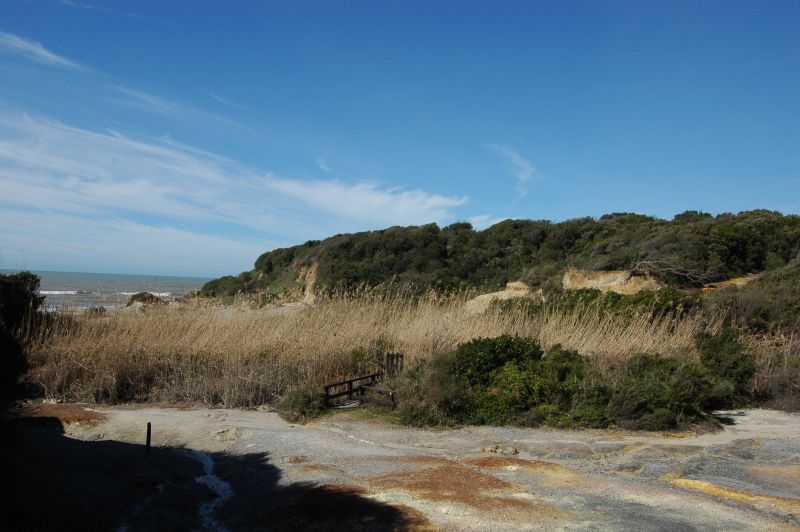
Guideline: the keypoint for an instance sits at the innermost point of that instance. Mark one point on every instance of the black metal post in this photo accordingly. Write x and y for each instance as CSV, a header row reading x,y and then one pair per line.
x,y
147,445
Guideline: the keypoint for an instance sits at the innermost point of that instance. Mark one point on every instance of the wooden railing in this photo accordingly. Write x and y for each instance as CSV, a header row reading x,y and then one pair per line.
x,y
351,387
356,387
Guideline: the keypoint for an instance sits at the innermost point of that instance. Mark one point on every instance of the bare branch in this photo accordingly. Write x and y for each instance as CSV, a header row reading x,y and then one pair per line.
x,y
663,266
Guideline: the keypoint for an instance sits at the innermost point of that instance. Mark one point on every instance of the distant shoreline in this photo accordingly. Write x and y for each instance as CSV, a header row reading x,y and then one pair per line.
x,y
7,271
81,290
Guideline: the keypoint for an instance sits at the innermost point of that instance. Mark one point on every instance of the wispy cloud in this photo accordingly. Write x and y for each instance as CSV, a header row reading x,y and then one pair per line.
x,y
367,201
225,101
104,10
171,108
103,88
77,5
152,102
82,193
34,51
517,165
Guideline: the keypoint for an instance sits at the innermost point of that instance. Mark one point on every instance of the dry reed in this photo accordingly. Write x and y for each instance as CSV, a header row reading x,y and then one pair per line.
x,y
245,357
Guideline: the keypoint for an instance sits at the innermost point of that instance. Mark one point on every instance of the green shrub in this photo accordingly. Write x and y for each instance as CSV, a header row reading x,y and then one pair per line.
x,y
730,369
590,407
562,374
504,380
476,360
302,404
657,393
512,389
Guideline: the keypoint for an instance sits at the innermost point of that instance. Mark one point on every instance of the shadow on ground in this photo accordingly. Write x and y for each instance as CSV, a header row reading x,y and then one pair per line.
x,y
50,481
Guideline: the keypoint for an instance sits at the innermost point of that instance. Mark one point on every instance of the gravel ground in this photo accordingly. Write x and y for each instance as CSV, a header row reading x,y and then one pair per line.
x,y
349,472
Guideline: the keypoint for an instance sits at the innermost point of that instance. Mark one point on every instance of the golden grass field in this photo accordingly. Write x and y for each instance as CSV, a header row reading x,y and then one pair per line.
x,y
239,356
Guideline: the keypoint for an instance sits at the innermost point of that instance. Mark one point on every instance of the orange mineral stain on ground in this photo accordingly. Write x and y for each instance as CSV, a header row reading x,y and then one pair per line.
x,y
451,482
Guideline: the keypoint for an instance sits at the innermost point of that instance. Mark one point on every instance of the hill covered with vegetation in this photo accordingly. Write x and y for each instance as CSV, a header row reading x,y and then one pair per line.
x,y
688,251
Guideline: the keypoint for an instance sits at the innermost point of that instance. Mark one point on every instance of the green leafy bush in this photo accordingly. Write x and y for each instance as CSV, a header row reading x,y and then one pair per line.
x,y
658,393
302,404
476,360
730,369
497,381
511,390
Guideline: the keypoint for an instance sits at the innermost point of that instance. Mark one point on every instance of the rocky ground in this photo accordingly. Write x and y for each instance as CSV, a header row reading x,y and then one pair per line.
x,y
67,466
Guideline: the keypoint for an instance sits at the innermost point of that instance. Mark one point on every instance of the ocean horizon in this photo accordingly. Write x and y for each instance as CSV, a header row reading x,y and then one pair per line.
x,y
110,290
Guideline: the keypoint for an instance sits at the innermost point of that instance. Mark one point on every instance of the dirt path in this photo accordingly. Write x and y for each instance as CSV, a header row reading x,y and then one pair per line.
x,y
368,475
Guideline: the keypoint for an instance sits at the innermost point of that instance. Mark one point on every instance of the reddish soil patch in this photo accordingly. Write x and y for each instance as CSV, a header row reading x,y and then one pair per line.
x,y
296,459
452,483
67,414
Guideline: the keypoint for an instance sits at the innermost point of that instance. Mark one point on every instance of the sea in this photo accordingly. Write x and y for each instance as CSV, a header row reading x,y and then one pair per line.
x,y
80,290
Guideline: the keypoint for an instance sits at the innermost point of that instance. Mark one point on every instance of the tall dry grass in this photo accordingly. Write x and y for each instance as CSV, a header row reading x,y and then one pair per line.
x,y
245,357
777,360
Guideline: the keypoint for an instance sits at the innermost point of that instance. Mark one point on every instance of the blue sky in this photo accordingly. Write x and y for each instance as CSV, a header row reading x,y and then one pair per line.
x,y
188,137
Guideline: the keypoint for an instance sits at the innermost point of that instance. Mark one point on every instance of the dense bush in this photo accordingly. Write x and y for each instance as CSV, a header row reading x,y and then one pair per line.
x,y
302,404
691,249
658,393
475,361
497,381
730,369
